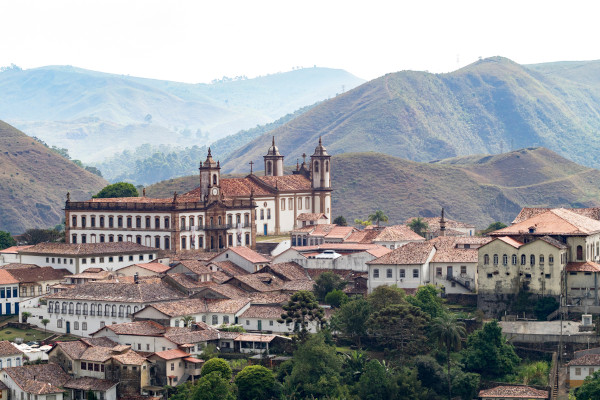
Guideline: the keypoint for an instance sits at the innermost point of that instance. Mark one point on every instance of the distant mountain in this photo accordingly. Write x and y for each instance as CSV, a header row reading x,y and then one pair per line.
x,y
491,106
34,182
96,114
479,189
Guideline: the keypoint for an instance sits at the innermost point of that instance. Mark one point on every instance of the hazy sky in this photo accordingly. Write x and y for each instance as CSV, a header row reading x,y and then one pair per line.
x,y
196,41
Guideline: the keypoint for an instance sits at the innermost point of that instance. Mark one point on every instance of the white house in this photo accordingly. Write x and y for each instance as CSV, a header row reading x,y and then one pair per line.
x,y
9,294
582,367
243,257
87,307
77,258
10,356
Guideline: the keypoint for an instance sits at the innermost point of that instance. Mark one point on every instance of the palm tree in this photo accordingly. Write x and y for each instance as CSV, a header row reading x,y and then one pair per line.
x,y
25,315
449,333
377,217
418,226
45,322
187,320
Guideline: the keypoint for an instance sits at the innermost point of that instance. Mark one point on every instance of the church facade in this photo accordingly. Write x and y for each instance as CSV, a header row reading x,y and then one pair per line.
x,y
219,213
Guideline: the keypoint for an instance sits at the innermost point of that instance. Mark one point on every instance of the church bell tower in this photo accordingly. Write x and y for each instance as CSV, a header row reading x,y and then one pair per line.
x,y
273,161
210,178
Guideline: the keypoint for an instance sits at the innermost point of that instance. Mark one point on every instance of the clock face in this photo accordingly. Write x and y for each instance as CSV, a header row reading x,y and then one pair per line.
x,y
215,191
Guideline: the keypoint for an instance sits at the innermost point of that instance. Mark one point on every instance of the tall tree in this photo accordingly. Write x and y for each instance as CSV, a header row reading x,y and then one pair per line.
x,y
449,333
340,221
119,189
418,226
377,383
427,299
209,387
378,217
327,282
336,298
488,352
301,310
6,240
384,296
217,364
401,326
352,317
315,371
255,382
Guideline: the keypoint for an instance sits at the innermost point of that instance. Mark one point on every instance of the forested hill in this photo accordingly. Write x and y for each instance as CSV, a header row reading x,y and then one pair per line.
x,y
95,115
35,181
479,189
491,106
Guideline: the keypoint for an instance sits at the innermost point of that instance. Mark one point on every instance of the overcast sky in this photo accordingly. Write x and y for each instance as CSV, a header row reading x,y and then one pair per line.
x,y
197,41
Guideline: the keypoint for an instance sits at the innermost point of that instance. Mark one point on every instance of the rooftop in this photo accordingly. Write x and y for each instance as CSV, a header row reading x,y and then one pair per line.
x,y
249,254
586,266
88,383
8,349
587,360
38,274
288,270
153,266
87,249
263,311
556,221
310,216
119,292
137,328
410,254
38,379
199,306
14,249
514,392
172,354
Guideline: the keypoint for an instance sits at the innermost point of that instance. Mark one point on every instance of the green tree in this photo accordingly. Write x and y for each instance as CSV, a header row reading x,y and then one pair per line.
x,y
377,383
119,189
544,307
354,365
427,299
341,221
301,310
449,333
590,390
217,364
378,217
360,222
45,322
418,226
409,385
6,240
35,236
352,317
336,298
384,296
209,387
255,382
327,282
489,354
25,315
401,326
494,226
316,370
187,320
465,384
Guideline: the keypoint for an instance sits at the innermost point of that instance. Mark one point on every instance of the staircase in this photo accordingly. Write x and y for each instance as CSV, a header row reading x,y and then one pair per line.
x,y
553,378
183,379
467,283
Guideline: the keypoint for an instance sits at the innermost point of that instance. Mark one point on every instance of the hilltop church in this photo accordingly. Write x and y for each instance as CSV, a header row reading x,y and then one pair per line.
x,y
217,214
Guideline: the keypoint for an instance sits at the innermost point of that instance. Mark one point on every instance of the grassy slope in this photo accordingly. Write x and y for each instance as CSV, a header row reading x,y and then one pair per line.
x,y
35,181
491,106
478,189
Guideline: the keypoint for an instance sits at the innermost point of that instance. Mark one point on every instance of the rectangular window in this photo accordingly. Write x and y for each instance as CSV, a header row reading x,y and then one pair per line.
x,y
84,260
463,269
130,258
578,371
388,273
84,326
74,221
83,365
307,203
83,222
438,271
74,238
93,260
225,319
376,273
402,273
141,257
268,213
215,319
415,273
120,258
93,222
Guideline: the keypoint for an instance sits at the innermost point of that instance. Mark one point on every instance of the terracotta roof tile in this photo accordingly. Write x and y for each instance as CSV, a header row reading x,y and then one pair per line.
x,y
197,267
554,242
338,247
88,248
364,236
172,354
297,285
229,268
510,241
181,336
249,254
378,251
8,349
260,282
263,311
557,221
121,292
88,383
410,253
154,267
340,232
587,266
6,278
14,249
456,255
514,392
310,216
269,298
252,337
137,328
288,271
187,255
130,358
528,212
18,266
586,360
38,274
198,306
38,379
398,233
287,182
434,223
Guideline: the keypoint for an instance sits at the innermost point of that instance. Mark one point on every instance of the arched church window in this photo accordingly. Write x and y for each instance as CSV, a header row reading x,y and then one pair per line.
x,y
316,166
214,179
326,166
579,253
268,167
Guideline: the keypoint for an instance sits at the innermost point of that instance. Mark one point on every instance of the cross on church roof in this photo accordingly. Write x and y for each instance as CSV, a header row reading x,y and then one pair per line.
x,y
251,164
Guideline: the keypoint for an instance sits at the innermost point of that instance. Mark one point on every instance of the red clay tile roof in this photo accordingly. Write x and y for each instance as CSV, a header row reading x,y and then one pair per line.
x,y
121,292
249,254
6,278
514,392
38,379
8,349
340,232
587,266
171,354
130,357
88,383
197,267
364,236
87,274
510,241
38,274
181,336
224,289
296,285
554,242
527,212
198,306
587,360
450,255
230,268
186,255
340,247
137,328
310,216
260,311
287,182
193,360
397,233
88,249
378,251
260,282
411,253
557,221
18,266
288,271
252,337
269,298
154,267
14,249
434,223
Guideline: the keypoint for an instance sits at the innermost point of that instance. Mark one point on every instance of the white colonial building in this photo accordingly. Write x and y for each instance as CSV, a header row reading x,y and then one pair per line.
x,y
220,213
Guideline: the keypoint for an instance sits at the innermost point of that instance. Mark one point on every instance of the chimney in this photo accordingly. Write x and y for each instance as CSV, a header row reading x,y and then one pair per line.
x,y
135,278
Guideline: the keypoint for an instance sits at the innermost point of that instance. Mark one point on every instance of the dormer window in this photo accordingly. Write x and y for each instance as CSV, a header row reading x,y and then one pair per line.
x,y
532,229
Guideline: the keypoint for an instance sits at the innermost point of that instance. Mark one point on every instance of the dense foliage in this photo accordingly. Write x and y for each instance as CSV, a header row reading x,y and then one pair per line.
x,y
255,382
119,189
6,240
327,282
219,365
